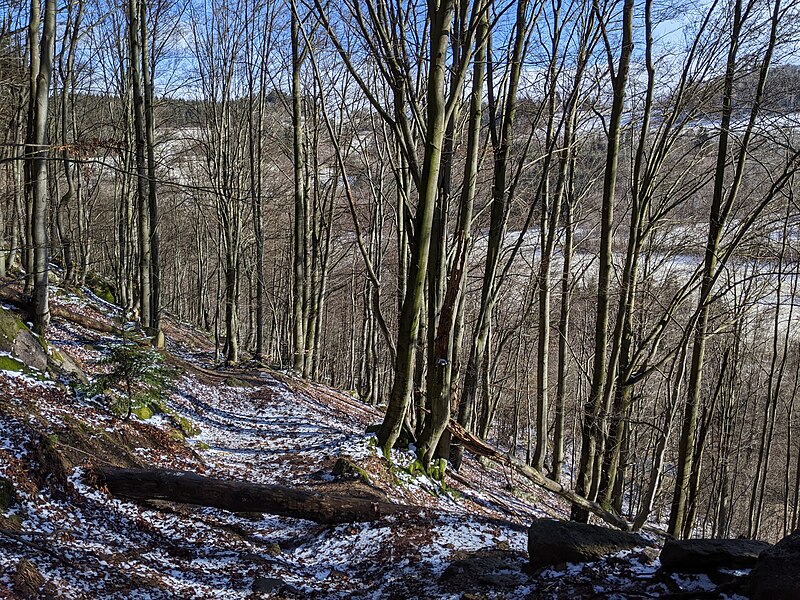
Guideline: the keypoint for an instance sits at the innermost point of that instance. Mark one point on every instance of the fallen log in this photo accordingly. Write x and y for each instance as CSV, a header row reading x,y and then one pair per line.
x,y
241,496
481,448
23,302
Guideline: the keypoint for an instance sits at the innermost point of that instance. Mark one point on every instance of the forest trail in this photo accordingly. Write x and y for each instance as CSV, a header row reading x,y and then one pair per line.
x,y
263,427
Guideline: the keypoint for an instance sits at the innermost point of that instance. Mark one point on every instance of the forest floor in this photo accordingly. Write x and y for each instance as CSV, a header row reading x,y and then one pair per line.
x,y
66,536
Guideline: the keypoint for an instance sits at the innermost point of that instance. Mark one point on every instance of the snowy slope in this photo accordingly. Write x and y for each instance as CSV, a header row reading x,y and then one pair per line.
x,y
267,428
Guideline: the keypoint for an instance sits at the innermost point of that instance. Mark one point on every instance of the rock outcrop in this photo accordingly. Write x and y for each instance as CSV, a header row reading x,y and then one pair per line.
x,y
22,350
776,575
554,542
706,556
18,341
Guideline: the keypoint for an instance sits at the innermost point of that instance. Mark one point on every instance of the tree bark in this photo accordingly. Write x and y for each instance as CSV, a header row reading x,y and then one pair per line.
x,y
590,430
441,22
41,310
241,496
481,448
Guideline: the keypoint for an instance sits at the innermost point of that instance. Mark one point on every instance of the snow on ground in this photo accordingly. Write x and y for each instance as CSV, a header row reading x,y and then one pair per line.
x,y
265,428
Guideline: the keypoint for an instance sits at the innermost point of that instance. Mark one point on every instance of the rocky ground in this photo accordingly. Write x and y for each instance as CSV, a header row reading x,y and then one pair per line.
x,y
63,536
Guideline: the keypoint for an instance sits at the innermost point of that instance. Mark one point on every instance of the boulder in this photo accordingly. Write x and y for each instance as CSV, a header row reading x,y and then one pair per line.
x,y
706,556
267,585
16,339
487,568
776,575
273,587
63,364
554,542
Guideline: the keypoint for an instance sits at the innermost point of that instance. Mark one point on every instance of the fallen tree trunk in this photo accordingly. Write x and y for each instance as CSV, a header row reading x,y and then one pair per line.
x,y
23,302
241,496
481,448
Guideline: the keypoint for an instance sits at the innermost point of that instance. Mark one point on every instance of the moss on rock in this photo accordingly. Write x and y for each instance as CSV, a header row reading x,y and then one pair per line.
x,y
9,363
101,287
16,339
235,382
143,412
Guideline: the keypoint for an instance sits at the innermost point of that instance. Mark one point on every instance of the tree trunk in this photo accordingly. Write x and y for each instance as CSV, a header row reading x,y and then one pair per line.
x,y
240,496
153,240
590,430
143,208
41,310
721,205
300,226
441,22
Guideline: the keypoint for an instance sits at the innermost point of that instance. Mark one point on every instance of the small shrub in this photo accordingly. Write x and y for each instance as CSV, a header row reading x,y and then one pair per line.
x,y
138,377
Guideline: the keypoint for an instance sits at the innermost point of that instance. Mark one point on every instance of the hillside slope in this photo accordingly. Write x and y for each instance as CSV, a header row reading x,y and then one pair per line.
x,y
61,536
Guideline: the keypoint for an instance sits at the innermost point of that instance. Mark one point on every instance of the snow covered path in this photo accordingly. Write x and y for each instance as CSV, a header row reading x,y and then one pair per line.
x,y
264,433
255,428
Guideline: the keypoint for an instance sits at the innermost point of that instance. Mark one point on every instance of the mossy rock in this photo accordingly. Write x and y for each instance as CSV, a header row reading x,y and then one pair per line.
x,y
9,363
147,410
143,412
347,469
16,339
188,428
62,363
102,287
8,495
10,325
235,382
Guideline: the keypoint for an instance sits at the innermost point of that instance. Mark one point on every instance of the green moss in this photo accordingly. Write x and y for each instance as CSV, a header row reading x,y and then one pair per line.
x,y
9,363
9,326
143,412
187,427
435,472
101,287
437,469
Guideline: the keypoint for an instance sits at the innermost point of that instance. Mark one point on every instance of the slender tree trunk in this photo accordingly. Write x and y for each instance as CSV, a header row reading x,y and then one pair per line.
x,y
152,240
300,227
441,17
501,145
590,431
721,205
39,142
139,125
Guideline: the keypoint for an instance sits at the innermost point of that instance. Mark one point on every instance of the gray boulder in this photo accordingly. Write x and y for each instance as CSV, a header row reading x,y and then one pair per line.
x,y
554,542
776,575
706,556
16,339
489,568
